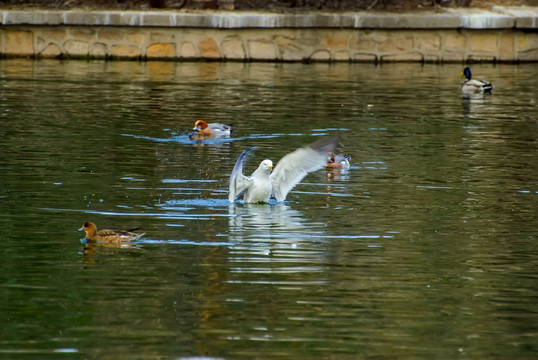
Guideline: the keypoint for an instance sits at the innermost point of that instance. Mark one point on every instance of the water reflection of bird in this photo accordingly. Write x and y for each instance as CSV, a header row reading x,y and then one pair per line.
x,y
473,85
205,131
265,219
108,235
338,161
291,169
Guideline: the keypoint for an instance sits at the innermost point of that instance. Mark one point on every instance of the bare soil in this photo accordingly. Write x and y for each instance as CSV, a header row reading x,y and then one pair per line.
x,y
265,5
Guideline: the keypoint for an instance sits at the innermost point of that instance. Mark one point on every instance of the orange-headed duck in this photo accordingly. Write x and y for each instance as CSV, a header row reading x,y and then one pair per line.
x,y
213,130
473,85
338,161
291,169
108,235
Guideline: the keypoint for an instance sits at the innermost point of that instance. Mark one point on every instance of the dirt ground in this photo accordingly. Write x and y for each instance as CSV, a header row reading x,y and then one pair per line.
x,y
271,5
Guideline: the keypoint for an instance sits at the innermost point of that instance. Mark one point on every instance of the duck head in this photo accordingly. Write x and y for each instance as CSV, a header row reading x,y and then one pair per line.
x,y
200,125
88,227
467,73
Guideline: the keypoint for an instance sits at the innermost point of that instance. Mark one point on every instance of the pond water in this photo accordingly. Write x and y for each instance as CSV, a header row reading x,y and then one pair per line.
x,y
425,248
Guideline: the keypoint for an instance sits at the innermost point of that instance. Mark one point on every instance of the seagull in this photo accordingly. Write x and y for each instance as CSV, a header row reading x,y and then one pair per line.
x,y
291,169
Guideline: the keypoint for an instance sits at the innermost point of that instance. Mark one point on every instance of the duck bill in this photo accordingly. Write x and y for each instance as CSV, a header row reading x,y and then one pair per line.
x,y
81,229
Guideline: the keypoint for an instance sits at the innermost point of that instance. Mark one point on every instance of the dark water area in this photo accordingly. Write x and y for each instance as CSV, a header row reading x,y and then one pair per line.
x,y
425,248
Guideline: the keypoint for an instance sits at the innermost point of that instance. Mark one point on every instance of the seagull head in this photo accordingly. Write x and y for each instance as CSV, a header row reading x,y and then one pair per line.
x,y
266,165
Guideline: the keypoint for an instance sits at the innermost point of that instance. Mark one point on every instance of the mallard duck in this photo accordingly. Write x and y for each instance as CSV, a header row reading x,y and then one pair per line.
x,y
204,130
108,235
338,161
473,85
291,169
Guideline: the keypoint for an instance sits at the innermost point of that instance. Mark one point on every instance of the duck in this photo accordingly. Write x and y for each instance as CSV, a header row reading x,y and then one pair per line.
x,y
267,181
338,161
473,85
108,235
204,130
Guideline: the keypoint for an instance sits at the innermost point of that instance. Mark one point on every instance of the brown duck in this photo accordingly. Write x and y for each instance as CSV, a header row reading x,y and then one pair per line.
x,y
108,235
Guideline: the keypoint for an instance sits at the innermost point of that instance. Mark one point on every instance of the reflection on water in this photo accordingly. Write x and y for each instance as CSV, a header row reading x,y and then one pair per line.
x,y
264,219
424,248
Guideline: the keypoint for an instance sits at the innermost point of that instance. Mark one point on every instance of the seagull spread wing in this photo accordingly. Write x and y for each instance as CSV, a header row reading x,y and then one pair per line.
x,y
293,167
238,181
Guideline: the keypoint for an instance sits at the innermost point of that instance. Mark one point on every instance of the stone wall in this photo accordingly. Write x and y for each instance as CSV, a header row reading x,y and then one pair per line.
x,y
510,35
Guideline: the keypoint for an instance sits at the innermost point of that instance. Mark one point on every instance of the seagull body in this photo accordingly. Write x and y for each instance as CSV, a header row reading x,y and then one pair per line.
x,y
290,170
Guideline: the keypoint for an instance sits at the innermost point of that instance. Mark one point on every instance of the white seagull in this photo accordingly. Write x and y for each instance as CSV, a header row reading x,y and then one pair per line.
x,y
291,169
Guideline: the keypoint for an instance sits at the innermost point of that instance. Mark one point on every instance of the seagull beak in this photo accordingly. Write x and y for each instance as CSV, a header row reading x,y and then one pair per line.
x,y
271,167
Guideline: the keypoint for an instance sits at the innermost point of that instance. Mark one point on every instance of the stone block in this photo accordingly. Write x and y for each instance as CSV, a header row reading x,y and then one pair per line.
x,y
396,45
427,41
321,55
16,17
527,46
334,42
366,45
284,41
341,55
136,38
51,51
507,47
233,49
262,50
430,58
363,57
82,33
40,44
528,55
527,41
112,34
76,48
162,37
161,51
208,49
454,42
289,48
82,17
484,42
406,57
308,41
481,58
453,56
57,35
98,50
19,43
188,51
126,18
158,19
125,51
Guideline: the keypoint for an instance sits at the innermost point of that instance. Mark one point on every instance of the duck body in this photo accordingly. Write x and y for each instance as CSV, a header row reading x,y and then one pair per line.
x,y
204,130
338,161
108,235
289,171
474,86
